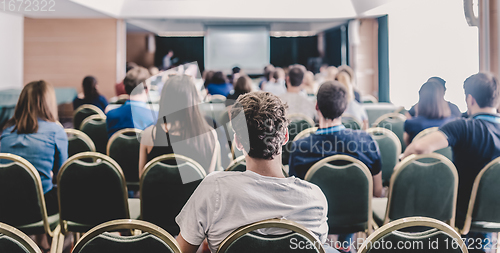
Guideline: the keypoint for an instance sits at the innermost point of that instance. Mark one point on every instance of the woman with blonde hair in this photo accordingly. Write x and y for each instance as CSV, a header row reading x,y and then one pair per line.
x,y
181,128
34,134
354,108
309,84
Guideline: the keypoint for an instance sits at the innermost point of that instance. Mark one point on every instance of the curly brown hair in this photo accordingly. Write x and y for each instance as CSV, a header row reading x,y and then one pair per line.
x,y
261,129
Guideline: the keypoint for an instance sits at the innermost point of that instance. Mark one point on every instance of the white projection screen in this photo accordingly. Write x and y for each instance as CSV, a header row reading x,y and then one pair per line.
x,y
244,46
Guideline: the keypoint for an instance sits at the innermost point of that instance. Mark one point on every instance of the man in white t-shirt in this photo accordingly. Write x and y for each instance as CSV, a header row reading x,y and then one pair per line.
x,y
225,201
297,100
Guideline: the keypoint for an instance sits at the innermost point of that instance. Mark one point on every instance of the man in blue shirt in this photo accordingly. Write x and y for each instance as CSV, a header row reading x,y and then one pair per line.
x,y
475,141
135,113
332,138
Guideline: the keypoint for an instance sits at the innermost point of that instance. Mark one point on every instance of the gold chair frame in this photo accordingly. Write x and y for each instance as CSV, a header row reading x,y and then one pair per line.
x,y
128,224
88,106
271,223
410,159
347,115
118,134
388,133
412,222
92,117
387,116
425,132
305,132
361,166
300,116
20,237
83,136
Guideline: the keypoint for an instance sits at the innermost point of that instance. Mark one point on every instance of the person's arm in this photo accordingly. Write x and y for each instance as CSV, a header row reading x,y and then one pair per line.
x,y
377,185
427,144
146,143
185,246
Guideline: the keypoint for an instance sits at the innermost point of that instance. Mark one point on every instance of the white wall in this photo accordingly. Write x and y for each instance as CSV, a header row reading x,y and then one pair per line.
x,y
429,38
11,50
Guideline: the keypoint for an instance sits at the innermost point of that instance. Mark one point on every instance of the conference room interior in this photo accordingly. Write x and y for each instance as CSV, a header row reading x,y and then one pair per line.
x,y
180,126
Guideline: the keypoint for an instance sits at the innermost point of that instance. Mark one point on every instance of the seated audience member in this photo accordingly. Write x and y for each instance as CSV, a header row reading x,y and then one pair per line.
x,y
235,74
34,134
433,111
119,87
331,73
455,112
276,82
242,86
294,97
333,138
350,72
218,85
268,71
90,95
310,86
207,77
225,201
135,113
354,108
474,141
181,127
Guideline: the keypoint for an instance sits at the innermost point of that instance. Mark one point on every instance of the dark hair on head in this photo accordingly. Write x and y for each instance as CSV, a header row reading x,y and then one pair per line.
x,y
268,71
89,88
207,75
236,70
135,77
218,78
262,117
431,103
439,80
296,75
483,87
332,99
243,85
36,101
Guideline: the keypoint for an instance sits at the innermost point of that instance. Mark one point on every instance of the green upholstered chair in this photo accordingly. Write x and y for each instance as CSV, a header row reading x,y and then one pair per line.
x,y
374,111
390,149
447,152
298,123
396,236
246,240
483,214
152,239
394,122
350,122
421,185
78,142
166,185
123,147
92,193
84,111
95,127
368,99
239,164
13,240
22,203
305,133
348,186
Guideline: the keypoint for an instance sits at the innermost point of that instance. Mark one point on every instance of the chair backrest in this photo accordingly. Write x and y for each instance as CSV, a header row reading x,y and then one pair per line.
x,y
344,179
438,237
90,192
423,185
95,127
394,122
13,240
390,149
305,133
368,99
21,193
166,184
298,123
82,112
153,239
78,142
123,147
447,152
217,99
351,122
484,204
244,239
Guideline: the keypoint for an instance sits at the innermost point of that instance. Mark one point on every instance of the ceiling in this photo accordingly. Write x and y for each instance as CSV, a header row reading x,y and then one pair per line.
x,y
190,17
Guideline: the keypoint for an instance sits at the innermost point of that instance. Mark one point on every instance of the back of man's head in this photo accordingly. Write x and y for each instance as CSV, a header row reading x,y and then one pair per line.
x,y
483,87
295,75
332,99
135,77
260,123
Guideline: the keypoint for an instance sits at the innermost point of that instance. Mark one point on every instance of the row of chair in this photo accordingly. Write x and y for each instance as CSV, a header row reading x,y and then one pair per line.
x,y
146,237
